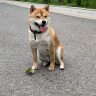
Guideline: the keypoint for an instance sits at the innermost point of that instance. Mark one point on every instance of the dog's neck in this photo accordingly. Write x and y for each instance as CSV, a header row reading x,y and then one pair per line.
x,y
35,32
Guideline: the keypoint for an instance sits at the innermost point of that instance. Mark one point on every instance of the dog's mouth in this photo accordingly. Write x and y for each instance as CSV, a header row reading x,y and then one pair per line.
x,y
42,27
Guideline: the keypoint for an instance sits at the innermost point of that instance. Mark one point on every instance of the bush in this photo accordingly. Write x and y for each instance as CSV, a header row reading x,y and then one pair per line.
x,y
75,3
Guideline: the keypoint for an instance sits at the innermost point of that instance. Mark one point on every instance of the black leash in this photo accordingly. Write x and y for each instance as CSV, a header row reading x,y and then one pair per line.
x,y
34,32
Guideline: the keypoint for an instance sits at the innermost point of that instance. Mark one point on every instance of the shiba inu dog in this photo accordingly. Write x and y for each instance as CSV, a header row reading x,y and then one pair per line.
x,y
44,39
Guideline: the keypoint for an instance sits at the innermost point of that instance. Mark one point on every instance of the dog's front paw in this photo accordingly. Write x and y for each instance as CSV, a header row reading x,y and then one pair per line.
x,y
51,67
34,67
62,66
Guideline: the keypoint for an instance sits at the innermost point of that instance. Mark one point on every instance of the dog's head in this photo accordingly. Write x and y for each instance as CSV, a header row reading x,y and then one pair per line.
x,y
39,18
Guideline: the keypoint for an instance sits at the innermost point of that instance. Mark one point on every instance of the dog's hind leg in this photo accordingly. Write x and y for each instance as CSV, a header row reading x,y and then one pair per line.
x,y
59,55
45,64
43,59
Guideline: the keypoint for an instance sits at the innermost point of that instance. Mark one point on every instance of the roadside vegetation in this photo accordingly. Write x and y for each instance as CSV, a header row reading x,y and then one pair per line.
x,y
75,3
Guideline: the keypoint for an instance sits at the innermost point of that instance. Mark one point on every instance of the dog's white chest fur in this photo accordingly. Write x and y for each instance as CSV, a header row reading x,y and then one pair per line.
x,y
41,43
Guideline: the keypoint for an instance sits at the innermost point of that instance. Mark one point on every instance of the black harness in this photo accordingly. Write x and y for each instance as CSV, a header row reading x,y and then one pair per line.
x,y
35,32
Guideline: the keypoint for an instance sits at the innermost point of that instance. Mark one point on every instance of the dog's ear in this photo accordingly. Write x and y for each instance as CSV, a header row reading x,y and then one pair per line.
x,y
46,8
32,9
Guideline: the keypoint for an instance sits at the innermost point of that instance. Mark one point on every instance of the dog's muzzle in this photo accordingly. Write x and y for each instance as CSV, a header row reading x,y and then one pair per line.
x,y
42,24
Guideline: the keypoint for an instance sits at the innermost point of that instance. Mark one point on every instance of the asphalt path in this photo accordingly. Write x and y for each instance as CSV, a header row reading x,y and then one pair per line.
x,y
77,36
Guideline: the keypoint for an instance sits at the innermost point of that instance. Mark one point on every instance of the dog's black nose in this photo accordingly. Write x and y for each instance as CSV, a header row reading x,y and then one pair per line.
x,y
43,22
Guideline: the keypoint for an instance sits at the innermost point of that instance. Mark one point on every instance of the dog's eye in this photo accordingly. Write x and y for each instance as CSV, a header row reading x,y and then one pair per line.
x,y
45,16
37,16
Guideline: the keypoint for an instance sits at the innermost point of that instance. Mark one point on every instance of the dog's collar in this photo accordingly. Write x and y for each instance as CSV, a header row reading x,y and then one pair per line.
x,y
35,32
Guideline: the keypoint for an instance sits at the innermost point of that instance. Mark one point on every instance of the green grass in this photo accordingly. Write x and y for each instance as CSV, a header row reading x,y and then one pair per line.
x,y
84,3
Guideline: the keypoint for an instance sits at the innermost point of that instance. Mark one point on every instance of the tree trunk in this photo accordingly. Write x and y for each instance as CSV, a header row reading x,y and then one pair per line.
x,y
78,2
46,1
69,1
61,1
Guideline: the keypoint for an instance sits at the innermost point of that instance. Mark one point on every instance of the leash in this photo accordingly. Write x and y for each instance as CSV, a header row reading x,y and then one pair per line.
x,y
34,32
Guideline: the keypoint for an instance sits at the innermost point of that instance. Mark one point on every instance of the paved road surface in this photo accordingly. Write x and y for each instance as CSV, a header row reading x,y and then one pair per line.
x,y
78,37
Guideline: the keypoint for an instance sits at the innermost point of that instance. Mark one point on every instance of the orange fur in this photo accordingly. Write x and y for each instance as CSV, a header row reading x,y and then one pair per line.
x,y
54,41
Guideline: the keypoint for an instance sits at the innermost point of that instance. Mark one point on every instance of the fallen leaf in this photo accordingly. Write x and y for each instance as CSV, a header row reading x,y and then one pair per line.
x,y
30,71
